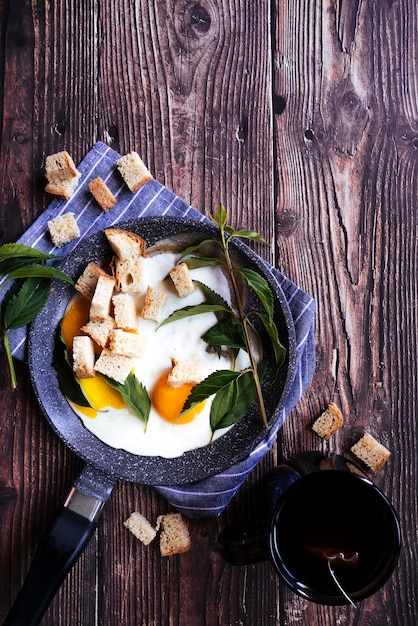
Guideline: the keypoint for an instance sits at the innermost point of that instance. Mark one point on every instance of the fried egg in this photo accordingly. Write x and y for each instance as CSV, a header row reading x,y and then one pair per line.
x,y
166,434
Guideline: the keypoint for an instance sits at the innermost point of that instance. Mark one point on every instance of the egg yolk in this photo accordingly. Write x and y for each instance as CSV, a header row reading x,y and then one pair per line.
x,y
96,390
76,316
169,401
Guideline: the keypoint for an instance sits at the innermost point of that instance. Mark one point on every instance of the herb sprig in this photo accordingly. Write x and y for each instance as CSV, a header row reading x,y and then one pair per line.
x,y
27,270
132,390
234,391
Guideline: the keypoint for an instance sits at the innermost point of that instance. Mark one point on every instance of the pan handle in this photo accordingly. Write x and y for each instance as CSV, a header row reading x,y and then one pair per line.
x,y
60,547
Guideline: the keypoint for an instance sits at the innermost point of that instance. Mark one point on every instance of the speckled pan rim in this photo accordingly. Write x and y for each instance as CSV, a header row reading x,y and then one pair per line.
x,y
119,464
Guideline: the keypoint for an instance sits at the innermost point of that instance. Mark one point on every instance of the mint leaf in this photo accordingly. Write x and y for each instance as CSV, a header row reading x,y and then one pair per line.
x,y
196,309
246,234
232,402
67,380
7,265
279,349
211,385
24,302
195,262
262,289
221,217
227,332
13,250
39,271
135,395
193,248
211,296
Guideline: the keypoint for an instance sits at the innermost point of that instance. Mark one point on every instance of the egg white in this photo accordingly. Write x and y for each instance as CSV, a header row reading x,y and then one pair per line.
x,y
121,428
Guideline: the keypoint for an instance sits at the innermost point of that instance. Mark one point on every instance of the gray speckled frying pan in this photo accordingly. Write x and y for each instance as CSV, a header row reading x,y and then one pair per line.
x,y
77,519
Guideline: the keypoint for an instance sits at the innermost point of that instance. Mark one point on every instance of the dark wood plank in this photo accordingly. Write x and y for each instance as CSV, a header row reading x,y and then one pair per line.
x,y
346,87
303,121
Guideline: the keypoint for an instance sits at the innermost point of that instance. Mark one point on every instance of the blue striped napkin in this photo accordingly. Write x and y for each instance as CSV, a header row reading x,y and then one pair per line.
x,y
206,498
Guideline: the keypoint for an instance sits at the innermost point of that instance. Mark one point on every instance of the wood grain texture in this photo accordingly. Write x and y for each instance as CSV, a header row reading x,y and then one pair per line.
x,y
301,117
347,185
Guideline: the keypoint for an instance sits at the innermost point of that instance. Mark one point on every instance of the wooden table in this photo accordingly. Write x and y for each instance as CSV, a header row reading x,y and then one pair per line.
x,y
301,117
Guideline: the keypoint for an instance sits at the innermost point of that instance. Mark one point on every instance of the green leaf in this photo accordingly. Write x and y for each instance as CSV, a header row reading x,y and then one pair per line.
x,y
211,296
279,349
221,217
135,395
7,265
227,332
196,309
261,287
246,234
12,250
39,271
232,402
211,385
195,247
195,262
26,301
67,380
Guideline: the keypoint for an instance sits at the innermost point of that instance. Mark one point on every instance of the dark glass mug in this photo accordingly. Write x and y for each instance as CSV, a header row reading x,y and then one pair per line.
x,y
331,535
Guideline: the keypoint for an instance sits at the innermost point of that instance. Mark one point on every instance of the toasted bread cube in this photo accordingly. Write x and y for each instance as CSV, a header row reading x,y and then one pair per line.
x,y
124,310
126,343
83,357
102,297
63,229
328,422
371,452
102,194
183,283
87,281
154,303
187,371
140,527
128,274
126,245
133,171
174,534
99,330
116,366
62,174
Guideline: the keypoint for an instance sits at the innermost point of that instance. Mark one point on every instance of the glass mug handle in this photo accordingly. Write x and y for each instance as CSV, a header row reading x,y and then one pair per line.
x,y
246,542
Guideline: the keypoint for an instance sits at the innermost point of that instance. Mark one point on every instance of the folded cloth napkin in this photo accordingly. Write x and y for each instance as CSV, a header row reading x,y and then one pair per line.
x,y
208,497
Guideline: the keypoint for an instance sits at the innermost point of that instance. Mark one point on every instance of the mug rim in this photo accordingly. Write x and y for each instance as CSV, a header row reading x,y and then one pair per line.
x,y
321,597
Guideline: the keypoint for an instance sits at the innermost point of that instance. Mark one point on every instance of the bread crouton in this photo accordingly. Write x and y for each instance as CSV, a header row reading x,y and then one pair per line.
x,y
126,245
184,372
83,357
371,452
139,526
328,422
87,281
63,229
126,343
102,297
133,171
62,174
183,283
153,306
116,366
174,534
124,311
99,330
102,194
128,274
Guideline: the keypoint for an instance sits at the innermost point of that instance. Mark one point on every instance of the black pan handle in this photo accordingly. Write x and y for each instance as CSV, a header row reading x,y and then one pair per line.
x,y
62,544
59,549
